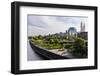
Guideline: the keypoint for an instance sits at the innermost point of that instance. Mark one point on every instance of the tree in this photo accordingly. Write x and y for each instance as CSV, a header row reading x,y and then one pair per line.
x,y
40,37
56,41
80,48
51,41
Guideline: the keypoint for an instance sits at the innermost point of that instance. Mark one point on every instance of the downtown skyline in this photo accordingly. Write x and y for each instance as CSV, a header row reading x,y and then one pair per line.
x,y
44,25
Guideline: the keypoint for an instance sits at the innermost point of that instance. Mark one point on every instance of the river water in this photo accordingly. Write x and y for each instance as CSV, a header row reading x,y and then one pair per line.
x,y
31,54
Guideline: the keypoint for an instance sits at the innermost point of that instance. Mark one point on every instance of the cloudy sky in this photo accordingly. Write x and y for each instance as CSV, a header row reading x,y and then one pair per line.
x,y
43,25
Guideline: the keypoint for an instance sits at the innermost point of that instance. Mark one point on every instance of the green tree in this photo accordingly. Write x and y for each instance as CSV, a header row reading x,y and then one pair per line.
x,y
51,41
40,37
80,48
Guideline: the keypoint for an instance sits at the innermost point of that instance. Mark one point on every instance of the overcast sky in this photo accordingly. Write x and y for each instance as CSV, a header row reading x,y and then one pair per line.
x,y
43,25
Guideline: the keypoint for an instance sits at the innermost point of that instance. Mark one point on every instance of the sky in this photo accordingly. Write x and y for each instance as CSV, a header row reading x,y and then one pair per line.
x,y
44,25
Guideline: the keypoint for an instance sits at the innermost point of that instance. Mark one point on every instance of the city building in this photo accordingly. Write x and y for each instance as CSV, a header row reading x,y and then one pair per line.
x,y
72,31
83,34
82,25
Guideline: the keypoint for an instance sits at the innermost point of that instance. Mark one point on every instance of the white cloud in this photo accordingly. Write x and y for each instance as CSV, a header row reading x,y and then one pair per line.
x,y
52,26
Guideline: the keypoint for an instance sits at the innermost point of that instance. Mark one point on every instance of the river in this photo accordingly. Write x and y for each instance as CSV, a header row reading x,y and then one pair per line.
x,y
31,54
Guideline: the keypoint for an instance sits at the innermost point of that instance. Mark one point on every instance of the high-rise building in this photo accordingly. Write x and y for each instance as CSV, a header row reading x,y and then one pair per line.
x,y
83,34
82,27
